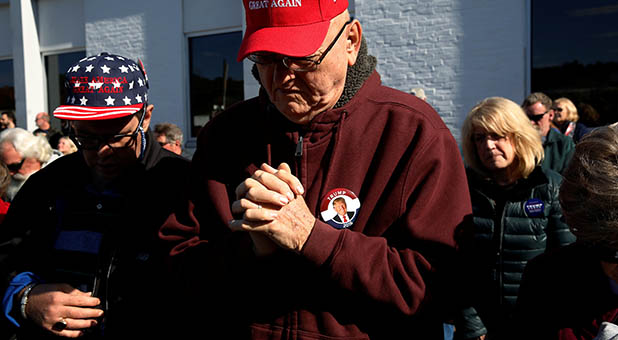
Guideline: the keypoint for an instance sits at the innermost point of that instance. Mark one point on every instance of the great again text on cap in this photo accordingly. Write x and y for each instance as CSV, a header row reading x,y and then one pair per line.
x,y
259,4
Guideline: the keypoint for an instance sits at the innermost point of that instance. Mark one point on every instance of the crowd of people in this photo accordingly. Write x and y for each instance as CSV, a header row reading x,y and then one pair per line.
x,y
328,207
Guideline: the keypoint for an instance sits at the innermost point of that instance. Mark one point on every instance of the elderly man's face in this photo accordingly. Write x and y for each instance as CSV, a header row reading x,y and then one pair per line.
x,y
540,117
20,167
108,157
300,96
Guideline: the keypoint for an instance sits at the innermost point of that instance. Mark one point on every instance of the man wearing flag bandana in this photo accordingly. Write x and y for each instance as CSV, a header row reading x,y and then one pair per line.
x,y
86,255
323,126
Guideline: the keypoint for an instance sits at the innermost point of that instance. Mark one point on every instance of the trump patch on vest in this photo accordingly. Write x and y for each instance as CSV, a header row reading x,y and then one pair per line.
x,y
534,207
339,208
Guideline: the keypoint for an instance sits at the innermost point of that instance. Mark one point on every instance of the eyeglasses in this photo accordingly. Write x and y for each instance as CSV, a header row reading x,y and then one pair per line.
x,y
296,64
15,167
95,142
557,109
536,118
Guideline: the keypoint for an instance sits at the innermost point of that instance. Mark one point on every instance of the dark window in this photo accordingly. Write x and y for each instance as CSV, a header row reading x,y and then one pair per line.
x,y
216,78
7,87
56,65
575,55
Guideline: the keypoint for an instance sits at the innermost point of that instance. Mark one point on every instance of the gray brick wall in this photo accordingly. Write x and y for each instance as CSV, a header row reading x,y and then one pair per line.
x,y
458,51
123,36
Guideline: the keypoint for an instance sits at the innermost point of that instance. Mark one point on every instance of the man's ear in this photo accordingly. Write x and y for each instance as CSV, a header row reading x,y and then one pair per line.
x,y
353,42
148,115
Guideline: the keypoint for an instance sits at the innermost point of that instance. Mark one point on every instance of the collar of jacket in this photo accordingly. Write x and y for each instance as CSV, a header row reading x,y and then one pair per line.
x,y
552,136
520,191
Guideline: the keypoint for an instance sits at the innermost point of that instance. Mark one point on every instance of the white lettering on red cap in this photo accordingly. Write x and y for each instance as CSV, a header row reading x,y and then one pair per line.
x,y
259,4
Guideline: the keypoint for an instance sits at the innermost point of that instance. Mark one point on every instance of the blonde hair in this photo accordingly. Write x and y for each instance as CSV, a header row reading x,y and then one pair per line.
x,y
571,114
505,118
72,146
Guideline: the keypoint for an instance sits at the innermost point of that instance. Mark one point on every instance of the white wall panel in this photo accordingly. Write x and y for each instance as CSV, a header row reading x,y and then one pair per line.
x,y
61,24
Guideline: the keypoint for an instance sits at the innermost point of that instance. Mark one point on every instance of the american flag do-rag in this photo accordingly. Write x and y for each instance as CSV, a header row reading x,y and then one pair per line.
x,y
104,86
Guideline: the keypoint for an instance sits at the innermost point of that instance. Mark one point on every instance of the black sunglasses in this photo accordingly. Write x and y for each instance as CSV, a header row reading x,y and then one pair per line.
x,y
536,118
14,167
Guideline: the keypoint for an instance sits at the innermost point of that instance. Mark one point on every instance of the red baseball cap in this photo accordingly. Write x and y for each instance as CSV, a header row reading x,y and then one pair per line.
x,y
294,28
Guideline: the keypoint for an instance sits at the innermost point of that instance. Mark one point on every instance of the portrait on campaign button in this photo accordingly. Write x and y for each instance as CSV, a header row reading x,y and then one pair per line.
x,y
339,208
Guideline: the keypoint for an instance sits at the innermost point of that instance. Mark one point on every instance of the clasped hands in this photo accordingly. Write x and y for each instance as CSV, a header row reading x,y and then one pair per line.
x,y
271,207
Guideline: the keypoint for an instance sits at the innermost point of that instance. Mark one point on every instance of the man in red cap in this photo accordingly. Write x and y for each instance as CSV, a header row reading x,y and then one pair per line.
x,y
323,127
82,235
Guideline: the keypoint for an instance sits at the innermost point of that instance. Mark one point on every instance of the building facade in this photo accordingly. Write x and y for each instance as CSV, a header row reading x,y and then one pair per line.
x,y
457,51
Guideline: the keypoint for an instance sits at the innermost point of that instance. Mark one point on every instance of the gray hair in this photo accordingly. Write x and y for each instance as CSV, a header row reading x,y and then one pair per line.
x,y
171,131
537,97
589,192
27,144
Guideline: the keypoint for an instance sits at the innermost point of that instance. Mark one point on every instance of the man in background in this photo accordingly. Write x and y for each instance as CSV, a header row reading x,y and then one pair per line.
x,y
558,148
169,137
7,120
24,154
44,128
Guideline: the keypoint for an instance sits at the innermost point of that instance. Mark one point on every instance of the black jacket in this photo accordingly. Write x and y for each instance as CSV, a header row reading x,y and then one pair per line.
x,y
506,236
64,230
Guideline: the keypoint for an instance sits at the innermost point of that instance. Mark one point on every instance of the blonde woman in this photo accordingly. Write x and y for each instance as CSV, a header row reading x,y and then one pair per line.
x,y
66,145
516,210
566,119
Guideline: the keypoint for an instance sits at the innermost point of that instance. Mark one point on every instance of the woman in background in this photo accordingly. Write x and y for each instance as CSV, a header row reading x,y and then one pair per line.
x,y
566,119
66,145
515,208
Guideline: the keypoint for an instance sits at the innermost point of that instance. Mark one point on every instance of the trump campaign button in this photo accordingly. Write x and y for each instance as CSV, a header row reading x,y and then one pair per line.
x,y
534,207
339,208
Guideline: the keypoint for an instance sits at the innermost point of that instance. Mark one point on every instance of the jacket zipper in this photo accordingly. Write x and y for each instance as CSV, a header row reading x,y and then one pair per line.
x,y
500,265
299,155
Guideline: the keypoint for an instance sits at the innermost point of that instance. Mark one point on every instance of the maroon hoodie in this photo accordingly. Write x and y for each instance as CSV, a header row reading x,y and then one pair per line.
x,y
373,279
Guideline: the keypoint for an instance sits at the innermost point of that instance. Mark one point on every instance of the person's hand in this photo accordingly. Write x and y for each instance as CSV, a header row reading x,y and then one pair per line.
x,y
50,304
271,205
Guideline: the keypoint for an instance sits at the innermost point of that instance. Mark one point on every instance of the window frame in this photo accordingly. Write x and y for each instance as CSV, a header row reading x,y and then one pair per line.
x,y
191,141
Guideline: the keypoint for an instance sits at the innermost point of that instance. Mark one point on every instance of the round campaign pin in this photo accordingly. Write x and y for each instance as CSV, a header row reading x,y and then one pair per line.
x,y
534,207
339,208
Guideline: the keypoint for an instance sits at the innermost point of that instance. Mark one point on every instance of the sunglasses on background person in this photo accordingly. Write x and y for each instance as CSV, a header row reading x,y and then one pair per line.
x,y
15,167
536,118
